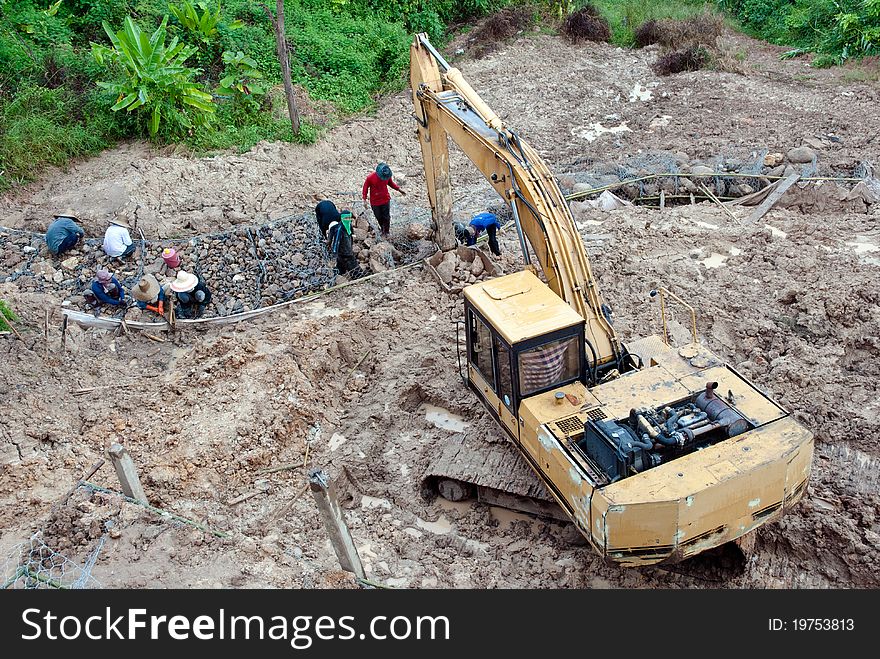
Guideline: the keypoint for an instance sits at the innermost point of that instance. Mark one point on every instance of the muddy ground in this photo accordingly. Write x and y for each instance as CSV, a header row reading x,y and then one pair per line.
x,y
357,375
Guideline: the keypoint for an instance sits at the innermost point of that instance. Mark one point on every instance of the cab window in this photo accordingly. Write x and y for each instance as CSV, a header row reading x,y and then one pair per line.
x,y
548,365
480,349
505,381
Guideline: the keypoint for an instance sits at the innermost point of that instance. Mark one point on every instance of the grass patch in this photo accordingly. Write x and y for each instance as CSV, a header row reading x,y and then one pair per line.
x,y
7,316
625,16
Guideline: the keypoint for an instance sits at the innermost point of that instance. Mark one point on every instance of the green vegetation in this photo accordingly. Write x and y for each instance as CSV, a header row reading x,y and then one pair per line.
x,y
625,16
154,80
835,30
202,72
7,316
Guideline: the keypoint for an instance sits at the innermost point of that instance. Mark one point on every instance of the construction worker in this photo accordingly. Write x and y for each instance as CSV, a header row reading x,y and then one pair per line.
x,y
488,222
64,233
106,289
117,240
326,213
377,184
193,295
149,295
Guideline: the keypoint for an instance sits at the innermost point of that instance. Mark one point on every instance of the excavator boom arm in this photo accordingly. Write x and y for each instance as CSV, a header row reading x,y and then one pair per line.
x,y
447,106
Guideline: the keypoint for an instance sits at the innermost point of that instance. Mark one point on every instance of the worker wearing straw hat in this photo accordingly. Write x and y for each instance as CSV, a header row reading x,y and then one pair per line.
x,y
149,295
193,295
117,240
64,233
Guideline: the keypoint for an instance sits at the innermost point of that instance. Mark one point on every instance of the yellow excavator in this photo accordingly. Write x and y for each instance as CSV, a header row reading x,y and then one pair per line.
x,y
656,453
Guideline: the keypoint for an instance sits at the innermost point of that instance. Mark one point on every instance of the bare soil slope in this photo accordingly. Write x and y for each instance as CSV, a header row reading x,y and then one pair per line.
x,y
358,375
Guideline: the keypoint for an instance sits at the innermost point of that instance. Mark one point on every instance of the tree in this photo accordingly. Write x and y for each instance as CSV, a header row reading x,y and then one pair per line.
x,y
281,48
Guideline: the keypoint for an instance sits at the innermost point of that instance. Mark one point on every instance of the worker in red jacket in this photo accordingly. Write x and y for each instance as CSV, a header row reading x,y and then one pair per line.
x,y
377,184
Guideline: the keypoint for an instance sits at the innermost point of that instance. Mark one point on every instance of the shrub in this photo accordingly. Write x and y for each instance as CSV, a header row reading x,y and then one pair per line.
x,y
586,24
647,33
499,27
692,59
7,316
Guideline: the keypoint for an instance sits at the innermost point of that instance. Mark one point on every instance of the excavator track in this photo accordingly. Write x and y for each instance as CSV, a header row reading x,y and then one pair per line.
x,y
494,473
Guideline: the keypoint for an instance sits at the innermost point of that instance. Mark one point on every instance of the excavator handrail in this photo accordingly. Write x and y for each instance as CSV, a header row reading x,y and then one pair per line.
x,y
447,106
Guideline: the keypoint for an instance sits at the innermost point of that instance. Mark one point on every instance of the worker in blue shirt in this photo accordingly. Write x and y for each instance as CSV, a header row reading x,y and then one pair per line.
x,y
63,234
106,289
488,222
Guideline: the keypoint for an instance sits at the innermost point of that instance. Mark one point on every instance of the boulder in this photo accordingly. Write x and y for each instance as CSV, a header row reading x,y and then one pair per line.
x,y
416,231
446,268
801,155
477,267
773,159
702,170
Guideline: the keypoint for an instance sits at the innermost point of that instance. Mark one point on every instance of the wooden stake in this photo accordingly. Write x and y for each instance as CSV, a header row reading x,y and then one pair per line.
x,y
773,197
91,472
334,522
283,510
125,470
359,362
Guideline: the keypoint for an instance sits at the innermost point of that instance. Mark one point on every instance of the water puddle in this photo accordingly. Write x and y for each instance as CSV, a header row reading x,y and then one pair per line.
x,y
714,260
639,93
375,502
507,517
705,225
862,245
592,131
441,527
461,507
443,418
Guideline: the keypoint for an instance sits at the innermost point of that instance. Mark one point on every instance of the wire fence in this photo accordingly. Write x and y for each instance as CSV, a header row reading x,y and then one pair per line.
x,y
246,267
35,565
736,172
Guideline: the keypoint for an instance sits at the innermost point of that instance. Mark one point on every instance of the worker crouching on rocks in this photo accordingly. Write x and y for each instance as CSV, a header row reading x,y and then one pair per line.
x,y
105,289
193,295
64,233
149,295
488,222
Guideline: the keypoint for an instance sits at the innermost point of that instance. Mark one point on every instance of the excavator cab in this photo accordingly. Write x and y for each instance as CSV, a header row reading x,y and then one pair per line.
x,y
522,341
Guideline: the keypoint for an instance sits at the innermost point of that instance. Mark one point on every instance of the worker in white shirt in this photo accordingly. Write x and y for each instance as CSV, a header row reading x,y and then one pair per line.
x,y
117,241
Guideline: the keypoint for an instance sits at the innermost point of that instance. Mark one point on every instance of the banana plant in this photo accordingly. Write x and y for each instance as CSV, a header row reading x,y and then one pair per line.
x,y
154,77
